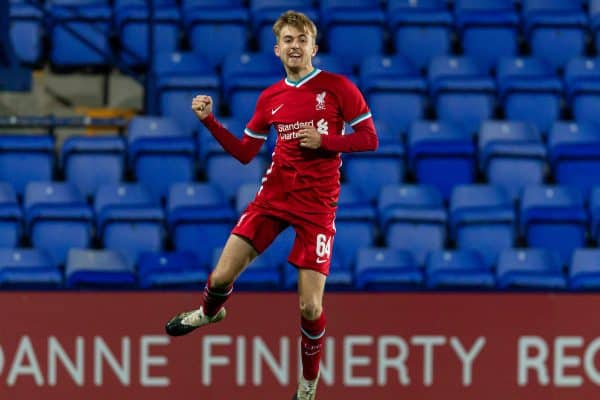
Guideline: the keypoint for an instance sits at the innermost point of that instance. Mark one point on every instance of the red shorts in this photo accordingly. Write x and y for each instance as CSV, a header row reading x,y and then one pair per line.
x,y
313,244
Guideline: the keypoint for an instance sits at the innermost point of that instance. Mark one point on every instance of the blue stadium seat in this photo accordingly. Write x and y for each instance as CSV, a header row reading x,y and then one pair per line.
x,y
199,219
131,19
530,269
79,33
594,8
370,171
128,220
244,77
226,173
481,22
26,158
57,218
98,269
215,28
582,88
413,218
264,13
10,217
584,270
261,273
512,155
554,218
529,91
441,154
482,219
573,152
555,29
27,31
594,207
22,268
333,63
355,225
383,269
463,92
421,30
352,30
160,154
90,161
460,269
167,270
179,77
394,89
245,194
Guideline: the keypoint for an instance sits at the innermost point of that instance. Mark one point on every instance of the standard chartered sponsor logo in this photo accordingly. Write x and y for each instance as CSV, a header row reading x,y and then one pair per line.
x,y
290,131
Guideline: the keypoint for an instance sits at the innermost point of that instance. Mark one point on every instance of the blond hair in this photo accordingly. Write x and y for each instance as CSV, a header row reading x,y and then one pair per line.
x,y
296,19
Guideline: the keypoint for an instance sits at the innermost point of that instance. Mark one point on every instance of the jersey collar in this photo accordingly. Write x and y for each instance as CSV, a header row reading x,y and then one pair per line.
x,y
302,81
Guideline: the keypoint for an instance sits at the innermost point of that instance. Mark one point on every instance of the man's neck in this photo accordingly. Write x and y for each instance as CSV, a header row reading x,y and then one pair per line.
x,y
296,76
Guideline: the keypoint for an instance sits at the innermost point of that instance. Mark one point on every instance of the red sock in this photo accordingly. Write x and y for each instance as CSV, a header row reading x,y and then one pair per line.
x,y
313,336
214,298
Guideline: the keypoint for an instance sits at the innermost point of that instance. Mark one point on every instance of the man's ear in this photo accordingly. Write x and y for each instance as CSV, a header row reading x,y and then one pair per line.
x,y
315,50
276,50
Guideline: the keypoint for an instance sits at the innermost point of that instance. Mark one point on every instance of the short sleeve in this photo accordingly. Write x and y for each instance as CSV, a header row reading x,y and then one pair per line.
x,y
258,126
354,106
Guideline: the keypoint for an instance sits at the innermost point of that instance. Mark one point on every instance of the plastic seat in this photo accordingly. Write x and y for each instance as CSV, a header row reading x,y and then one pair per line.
x,y
90,21
334,63
261,273
227,174
594,207
199,219
383,269
460,269
26,158
394,89
555,29
463,92
160,154
91,161
554,218
355,226
574,151
481,22
10,217
482,219
128,220
245,194
582,88
179,77
22,268
57,218
131,18
512,155
413,218
244,77
530,269
98,269
27,32
584,270
594,8
441,154
421,30
171,270
264,13
529,91
352,30
369,172
215,28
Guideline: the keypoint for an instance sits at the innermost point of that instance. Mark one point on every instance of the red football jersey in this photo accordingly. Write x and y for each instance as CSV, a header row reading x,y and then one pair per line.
x,y
301,179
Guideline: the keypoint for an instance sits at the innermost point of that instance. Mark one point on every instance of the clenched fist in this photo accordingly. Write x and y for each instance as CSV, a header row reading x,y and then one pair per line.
x,y
202,106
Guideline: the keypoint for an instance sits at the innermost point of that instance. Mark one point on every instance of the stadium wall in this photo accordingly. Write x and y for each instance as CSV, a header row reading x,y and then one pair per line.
x,y
111,345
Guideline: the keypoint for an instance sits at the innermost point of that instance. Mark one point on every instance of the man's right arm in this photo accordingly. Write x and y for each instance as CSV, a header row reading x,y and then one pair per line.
x,y
244,150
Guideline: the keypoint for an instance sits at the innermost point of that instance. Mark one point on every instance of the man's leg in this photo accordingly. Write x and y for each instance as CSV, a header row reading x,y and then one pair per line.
x,y
311,286
236,256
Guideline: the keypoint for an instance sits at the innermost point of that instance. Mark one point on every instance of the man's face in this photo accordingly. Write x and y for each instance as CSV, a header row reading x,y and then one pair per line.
x,y
295,48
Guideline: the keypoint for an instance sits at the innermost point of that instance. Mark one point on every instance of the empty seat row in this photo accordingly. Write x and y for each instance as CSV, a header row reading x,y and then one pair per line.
x,y
377,269
556,30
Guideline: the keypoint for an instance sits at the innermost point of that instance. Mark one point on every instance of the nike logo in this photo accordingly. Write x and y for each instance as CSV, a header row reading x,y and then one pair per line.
x,y
273,111
321,260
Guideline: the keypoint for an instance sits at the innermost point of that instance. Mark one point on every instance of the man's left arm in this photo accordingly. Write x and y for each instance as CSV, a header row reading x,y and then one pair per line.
x,y
364,138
